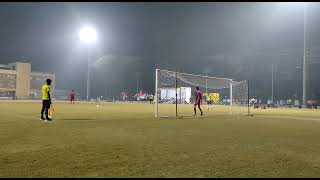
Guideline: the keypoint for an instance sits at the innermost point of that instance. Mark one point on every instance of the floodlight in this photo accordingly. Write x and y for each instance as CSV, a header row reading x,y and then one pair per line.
x,y
88,35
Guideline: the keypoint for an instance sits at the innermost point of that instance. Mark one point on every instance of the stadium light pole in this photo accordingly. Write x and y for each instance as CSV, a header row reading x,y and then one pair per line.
x,y
272,77
88,36
272,89
304,83
304,67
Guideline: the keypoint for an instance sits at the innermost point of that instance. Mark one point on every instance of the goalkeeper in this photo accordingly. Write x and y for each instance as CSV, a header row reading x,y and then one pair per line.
x,y
197,101
46,100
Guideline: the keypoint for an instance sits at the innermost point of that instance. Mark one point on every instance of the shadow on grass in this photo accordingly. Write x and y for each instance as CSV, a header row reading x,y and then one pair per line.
x,y
262,114
205,116
181,117
77,119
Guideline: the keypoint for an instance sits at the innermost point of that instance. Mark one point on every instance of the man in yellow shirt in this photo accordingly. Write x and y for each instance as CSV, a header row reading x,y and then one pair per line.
x,y
46,100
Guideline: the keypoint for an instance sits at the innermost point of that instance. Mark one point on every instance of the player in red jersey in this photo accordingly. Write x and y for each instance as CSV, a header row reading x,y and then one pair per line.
x,y
72,94
197,101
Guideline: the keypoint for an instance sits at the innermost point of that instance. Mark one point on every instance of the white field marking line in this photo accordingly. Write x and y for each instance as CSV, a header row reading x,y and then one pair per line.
x,y
291,117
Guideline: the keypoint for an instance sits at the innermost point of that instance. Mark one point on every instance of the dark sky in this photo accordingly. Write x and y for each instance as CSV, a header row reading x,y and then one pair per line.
x,y
188,36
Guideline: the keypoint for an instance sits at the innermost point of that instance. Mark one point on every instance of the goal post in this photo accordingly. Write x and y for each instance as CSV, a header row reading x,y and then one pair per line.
x,y
156,96
174,94
231,99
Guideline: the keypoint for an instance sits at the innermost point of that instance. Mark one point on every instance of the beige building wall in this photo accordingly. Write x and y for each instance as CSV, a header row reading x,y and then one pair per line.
x,y
23,80
46,76
24,75
5,71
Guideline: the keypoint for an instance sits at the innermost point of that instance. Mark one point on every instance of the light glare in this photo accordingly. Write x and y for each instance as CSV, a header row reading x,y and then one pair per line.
x,y
88,35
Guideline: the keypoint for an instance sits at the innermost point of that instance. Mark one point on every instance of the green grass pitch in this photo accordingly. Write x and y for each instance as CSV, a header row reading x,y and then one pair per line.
x,y
125,140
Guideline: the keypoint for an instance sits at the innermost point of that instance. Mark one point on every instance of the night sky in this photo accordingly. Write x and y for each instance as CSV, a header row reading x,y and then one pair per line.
x,y
216,38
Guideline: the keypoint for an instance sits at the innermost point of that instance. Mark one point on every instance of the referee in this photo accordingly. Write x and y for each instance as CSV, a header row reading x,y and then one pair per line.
x,y
46,100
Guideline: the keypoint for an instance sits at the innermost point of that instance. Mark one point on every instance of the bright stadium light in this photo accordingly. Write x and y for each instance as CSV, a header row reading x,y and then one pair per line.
x,y
88,35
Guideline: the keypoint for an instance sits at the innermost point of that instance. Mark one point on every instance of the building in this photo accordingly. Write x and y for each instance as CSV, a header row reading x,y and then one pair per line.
x,y
17,81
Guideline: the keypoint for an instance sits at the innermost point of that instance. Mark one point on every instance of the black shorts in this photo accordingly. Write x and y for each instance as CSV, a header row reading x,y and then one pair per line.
x,y
46,104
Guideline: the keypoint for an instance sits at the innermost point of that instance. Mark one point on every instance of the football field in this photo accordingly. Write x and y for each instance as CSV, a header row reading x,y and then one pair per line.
x,y
125,140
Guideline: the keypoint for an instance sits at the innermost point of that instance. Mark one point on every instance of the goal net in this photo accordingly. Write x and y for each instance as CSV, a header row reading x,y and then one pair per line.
x,y
174,95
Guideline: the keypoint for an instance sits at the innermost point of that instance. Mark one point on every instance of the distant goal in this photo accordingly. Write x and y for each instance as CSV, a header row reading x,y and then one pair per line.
x,y
174,95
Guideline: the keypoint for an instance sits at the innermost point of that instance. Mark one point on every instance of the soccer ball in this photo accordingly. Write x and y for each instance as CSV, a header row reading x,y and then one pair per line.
x,y
98,105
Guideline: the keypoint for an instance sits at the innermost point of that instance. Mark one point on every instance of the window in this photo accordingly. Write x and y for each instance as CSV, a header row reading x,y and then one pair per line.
x,y
8,81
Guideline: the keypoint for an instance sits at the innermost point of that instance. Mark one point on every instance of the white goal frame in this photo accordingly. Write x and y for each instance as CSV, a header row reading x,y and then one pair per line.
x,y
156,104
